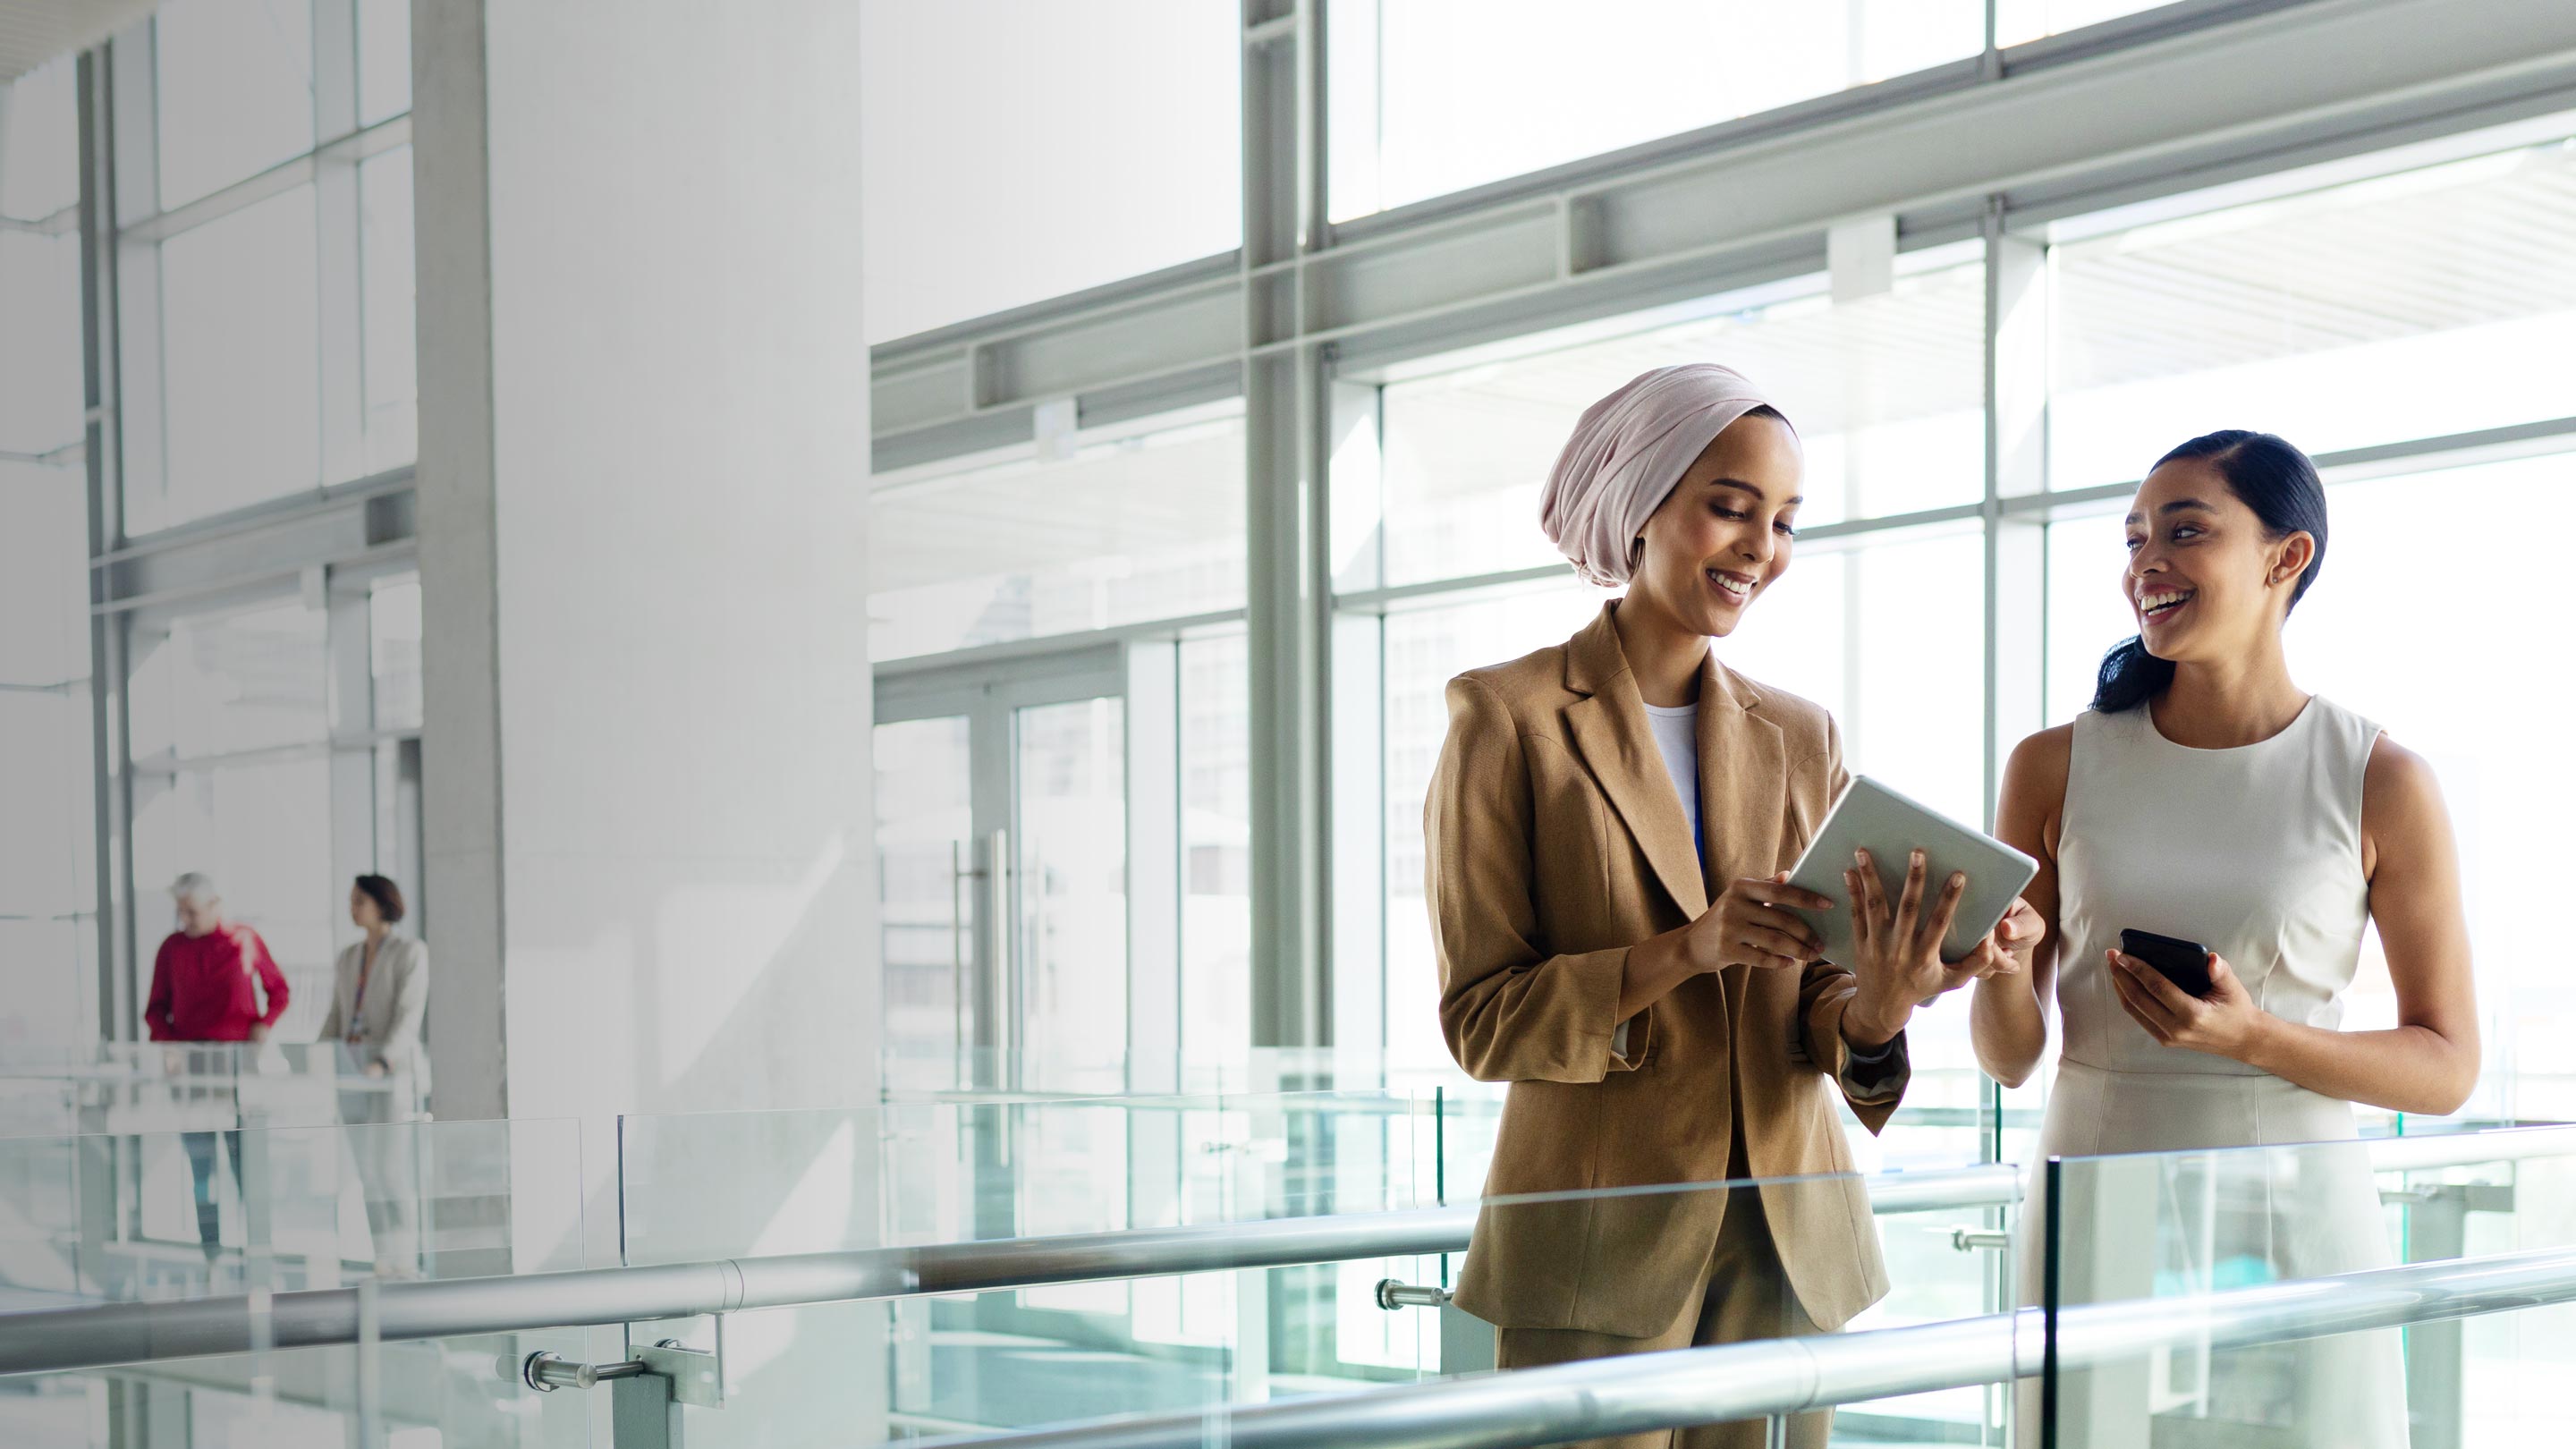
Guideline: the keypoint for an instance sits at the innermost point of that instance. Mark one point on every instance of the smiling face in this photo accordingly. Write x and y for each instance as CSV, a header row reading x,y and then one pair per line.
x,y
2205,579
1724,532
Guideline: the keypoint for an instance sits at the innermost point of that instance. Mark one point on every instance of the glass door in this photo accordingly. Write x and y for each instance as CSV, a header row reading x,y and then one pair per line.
x,y
1002,844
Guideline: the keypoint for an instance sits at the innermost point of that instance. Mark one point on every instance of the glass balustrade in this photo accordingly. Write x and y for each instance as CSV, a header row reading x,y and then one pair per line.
x,y
2341,1293
223,1239
980,1263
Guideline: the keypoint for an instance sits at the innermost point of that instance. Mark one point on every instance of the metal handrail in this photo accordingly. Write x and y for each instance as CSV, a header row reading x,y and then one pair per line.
x,y
1649,1392
108,1335
102,1336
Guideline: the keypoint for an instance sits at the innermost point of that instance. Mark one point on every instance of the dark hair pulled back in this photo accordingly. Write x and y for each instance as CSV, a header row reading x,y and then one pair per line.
x,y
2270,477
386,895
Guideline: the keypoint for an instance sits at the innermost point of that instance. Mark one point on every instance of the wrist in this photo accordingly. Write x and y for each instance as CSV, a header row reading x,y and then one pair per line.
x,y
2254,1049
1870,1025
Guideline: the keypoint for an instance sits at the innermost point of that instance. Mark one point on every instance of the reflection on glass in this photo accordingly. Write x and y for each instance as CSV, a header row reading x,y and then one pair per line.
x,y
385,263
240,360
235,90
926,898
1149,527
2289,315
1432,96
1887,395
1071,889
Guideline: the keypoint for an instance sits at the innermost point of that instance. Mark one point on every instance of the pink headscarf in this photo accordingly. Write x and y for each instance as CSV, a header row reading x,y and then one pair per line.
x,y
1626,455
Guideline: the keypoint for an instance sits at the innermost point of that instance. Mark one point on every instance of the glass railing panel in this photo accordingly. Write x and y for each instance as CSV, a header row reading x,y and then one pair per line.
x,y
173,1215
2279,1295
246,1342
162,1086
730,1184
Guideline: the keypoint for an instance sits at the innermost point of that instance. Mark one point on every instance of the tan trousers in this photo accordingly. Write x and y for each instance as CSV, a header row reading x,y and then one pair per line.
x,y
1745,1298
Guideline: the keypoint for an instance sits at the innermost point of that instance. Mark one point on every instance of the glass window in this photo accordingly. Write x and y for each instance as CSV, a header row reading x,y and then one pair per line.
x,y
385,264
1888,394
40,342
384,60
47,813
235,91
393,651
1216,852
1432,96
2462,673
2293,316
40,142
241,360
225,683
1148,527
1108,131
44,585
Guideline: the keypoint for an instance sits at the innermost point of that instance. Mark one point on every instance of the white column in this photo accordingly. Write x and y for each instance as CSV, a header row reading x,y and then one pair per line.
x,y
644,436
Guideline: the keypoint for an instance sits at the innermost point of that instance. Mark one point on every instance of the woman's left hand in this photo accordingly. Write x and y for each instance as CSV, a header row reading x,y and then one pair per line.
x,y
2225,1023
375,1069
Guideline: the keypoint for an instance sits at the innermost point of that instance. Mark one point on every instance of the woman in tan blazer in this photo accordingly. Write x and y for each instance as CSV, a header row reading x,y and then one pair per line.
x,y
1661,1017
379,991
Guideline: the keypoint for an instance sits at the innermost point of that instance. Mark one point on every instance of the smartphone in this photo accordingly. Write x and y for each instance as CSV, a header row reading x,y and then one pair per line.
x,y
2184,963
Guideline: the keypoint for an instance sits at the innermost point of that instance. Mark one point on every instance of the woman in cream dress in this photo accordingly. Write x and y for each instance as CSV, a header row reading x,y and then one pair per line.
x,y
2205,796
379,991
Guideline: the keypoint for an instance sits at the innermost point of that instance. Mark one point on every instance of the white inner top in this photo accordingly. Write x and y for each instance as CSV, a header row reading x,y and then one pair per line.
x,y
1677,736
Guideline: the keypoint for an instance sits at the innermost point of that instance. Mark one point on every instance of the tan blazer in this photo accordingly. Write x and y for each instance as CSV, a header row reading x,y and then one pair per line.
x,y
388,1020
1554,842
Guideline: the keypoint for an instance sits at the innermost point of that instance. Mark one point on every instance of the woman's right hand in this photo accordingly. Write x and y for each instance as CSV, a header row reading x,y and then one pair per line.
x,y
1752,925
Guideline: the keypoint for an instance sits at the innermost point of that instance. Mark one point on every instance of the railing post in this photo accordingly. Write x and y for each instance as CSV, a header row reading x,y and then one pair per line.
x,y
643,1414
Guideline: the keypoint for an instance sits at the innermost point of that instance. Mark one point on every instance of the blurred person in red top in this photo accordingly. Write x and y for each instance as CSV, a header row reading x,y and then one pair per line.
x,y
207,985
204,974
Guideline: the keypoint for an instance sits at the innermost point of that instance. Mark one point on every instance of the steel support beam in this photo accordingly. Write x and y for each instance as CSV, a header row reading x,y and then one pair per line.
x,y
1288,585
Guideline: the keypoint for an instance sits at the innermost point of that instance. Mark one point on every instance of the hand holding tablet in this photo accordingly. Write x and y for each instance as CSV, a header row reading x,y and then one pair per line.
x,y
1873,818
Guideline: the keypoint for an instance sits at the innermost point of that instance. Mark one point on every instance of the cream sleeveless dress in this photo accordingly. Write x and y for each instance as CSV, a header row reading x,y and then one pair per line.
x,y
2256,853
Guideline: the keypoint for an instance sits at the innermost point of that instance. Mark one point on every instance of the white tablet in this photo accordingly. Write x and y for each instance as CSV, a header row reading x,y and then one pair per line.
x,y
1891,828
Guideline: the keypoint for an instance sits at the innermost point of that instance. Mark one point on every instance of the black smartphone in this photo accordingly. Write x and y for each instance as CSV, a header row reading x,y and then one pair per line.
x,y
2184,963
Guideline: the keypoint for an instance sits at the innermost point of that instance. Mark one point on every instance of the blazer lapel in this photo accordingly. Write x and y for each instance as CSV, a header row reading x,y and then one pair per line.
x,y
1618,745
1743,780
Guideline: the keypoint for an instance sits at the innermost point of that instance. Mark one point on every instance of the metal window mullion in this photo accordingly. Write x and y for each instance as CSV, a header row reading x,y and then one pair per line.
x,y
117,1008
340,378
1288,592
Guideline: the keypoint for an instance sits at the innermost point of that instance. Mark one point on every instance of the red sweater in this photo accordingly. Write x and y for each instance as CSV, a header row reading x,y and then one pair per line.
x,y
201,986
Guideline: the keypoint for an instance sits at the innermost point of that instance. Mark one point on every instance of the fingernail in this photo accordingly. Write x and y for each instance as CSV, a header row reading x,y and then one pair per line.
x,y
1958,877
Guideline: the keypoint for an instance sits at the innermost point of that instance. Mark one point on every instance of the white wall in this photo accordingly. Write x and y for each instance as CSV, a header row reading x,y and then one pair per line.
x,y
647,751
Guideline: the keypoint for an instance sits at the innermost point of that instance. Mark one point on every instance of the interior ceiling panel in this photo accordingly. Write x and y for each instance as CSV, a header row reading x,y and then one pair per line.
x,y
35,31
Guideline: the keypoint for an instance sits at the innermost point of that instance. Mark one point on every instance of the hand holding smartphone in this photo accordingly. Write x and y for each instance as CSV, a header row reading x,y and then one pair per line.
x,y
2184,963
